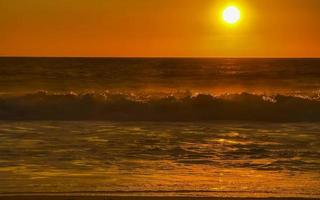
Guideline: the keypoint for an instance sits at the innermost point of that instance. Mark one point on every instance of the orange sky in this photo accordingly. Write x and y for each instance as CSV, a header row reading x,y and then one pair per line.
x,y
144,28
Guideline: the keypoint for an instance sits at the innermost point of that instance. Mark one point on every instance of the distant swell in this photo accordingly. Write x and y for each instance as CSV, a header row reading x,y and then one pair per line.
x,y
129,107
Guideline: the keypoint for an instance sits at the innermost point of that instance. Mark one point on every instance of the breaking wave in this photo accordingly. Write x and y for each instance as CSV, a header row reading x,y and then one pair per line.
x,y
174,107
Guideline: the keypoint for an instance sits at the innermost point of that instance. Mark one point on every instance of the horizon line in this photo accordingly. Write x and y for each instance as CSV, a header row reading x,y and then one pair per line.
x,y
166,57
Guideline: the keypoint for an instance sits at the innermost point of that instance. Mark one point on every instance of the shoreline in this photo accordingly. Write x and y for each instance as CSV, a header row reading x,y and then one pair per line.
x,y
106,197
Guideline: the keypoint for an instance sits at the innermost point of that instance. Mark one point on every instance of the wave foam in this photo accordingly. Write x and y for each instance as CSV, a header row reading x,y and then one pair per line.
x,y
131,107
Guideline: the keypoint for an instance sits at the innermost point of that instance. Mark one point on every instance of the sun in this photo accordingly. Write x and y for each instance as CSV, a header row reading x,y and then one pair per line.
x,y
231,14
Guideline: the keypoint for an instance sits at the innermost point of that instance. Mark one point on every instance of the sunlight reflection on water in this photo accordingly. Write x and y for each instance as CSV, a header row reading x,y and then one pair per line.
x,y
254,158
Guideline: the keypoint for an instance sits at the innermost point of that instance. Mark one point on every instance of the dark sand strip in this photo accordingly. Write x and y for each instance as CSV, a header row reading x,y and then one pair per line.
x,y
136,198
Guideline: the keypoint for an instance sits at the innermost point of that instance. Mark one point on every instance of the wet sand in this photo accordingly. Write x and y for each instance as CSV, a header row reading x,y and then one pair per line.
x,y
136,198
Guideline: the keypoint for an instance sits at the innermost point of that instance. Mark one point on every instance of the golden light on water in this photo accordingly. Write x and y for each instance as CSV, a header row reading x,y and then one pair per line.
x,y
231,14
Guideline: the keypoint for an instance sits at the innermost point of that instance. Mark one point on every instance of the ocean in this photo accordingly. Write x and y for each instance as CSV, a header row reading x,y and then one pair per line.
x,y
160,126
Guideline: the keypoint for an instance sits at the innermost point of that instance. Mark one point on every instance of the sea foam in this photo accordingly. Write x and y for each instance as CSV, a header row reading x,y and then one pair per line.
x,y
172,107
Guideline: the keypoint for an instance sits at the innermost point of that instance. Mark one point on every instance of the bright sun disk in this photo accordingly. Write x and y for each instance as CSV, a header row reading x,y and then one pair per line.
x,y
231,15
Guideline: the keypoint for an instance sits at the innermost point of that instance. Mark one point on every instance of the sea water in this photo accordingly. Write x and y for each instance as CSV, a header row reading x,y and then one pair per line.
x,y
194,127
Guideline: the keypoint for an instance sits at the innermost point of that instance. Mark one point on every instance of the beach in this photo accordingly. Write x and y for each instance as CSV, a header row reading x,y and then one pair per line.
x,y
137,198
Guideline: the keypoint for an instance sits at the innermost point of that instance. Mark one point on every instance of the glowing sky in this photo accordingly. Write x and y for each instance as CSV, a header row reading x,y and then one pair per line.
x,y
268,28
